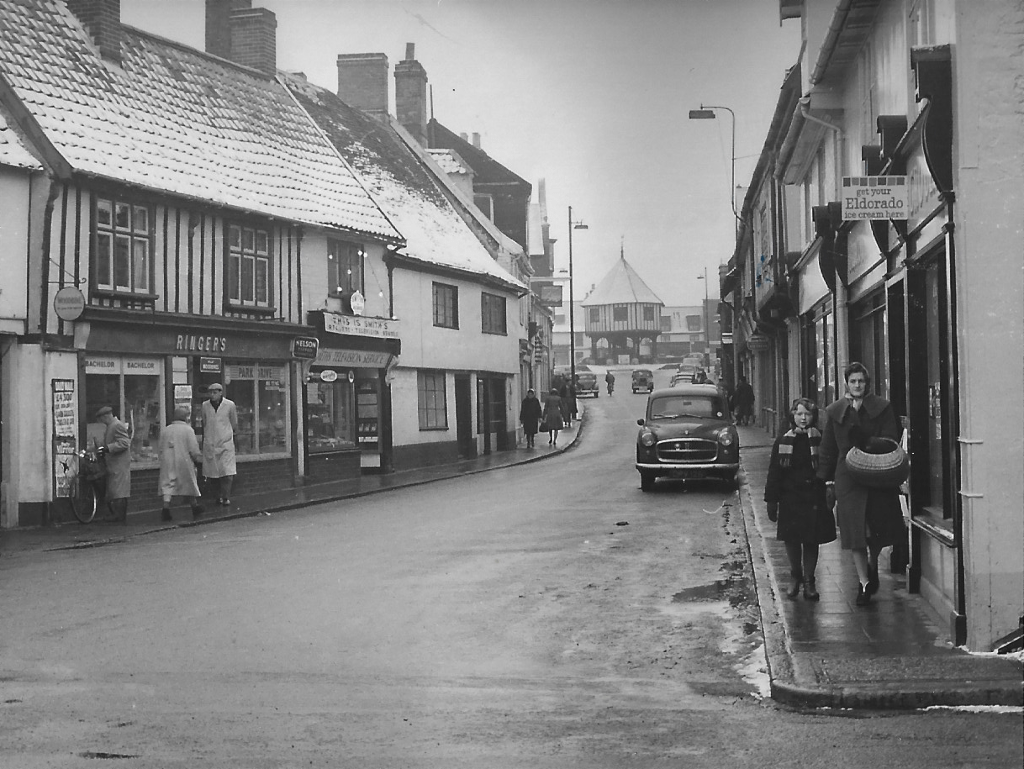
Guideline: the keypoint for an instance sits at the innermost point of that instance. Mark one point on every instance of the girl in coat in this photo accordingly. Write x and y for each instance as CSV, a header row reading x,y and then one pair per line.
x,y
179,455
796,497
530,414
553,416
869,519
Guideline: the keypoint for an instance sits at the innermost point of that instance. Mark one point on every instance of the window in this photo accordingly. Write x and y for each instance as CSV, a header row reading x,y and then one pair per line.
x,y
693,323
344,268
620,314
433,402
595,314
133,388
446,305
648,314
123,242
666,323
248,268
492,313
331,419
260,393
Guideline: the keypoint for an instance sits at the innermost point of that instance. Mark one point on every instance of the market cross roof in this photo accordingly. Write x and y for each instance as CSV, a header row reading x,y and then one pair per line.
x,y
622,285
173,119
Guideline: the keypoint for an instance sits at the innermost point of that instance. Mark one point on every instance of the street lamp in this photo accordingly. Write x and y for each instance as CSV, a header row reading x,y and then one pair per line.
x,y
572,315
707,112
707,327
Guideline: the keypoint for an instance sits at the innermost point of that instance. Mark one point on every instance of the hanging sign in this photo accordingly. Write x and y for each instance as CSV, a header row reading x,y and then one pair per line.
x,y
69,303
305,347
875,197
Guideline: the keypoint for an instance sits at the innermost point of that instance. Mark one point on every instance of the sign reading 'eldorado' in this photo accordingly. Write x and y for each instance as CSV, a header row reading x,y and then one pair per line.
x,y
875,197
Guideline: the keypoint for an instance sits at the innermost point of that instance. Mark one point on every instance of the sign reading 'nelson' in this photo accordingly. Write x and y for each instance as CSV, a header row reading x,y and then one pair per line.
x,y
875,197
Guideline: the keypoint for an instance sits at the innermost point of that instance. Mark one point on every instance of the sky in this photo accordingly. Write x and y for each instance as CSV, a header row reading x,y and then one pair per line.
x,y
590,95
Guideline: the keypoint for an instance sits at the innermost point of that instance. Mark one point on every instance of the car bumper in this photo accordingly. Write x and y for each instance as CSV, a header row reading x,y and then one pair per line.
x,y
690,470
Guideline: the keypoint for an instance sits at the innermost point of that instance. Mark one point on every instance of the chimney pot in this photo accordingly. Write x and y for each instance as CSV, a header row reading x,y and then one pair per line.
x,y
476,140
410,51
464,136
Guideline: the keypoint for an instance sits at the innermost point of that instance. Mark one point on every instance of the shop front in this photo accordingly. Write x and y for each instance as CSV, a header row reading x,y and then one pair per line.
x,y
145,366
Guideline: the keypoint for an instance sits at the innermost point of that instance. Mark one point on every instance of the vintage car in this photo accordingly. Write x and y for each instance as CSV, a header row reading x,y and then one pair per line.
x,y
684,374
586,383
643,379
687,434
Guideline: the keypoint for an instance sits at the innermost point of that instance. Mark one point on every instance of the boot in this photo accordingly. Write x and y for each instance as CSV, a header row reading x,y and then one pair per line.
x,y
810,594
863,596
872,587
794,589
165,515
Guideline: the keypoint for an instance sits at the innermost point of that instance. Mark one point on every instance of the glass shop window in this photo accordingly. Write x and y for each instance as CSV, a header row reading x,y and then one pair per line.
x,y
260,394
133,388
330,408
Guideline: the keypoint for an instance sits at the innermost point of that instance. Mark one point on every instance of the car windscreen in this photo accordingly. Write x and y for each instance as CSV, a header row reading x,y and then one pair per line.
x,y
674,406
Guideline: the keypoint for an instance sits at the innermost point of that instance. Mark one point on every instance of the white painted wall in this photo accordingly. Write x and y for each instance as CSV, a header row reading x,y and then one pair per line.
x,y
14,228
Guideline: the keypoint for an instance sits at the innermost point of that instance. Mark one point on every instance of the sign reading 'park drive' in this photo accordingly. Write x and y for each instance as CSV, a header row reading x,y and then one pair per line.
x,y
875,197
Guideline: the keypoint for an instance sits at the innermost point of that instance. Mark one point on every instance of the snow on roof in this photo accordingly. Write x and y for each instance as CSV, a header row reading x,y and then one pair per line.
x,y
449,161
13,151
622,285
399,181
177,120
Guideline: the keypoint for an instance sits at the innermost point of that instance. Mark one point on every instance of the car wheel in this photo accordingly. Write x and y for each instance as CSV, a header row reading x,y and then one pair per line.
x,y
647,481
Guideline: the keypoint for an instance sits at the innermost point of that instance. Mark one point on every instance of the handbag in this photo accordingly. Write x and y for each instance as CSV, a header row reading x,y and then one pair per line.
x,y
881,464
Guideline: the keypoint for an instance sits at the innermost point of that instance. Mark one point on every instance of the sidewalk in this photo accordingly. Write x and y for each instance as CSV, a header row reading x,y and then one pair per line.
x,y
14,542
892,653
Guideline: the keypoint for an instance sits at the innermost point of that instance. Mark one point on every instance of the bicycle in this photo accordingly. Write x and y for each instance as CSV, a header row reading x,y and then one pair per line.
x,y
85,474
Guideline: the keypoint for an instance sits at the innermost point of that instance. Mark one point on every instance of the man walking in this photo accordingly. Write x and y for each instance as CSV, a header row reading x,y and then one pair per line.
x,y
220,421
743,400
115,450
179,453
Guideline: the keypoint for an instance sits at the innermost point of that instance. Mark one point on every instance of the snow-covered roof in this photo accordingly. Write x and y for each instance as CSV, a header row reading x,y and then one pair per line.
x,y
407,191
13,151
622,285
174,119
449,161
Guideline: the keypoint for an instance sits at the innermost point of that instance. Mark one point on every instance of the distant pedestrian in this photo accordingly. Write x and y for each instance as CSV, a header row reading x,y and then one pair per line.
x,y
530,413
567,393
743,401
553,416
795,497
700,376
220,422
116,452
179,455
869,518
609,379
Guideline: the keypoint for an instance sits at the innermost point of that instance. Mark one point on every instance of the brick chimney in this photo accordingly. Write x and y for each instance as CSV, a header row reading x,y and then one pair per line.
x,y
476,139
363,82
102,19
240,33
411,95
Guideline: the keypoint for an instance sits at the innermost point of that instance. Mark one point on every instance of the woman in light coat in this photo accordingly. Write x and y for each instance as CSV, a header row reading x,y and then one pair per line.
x,y
220,421
179,454
553,409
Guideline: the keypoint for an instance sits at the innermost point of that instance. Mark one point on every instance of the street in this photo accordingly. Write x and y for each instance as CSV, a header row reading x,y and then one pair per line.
x,y
543,615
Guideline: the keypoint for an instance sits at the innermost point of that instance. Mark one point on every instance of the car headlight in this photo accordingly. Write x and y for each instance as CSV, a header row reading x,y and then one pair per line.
x,y
647,438
726,437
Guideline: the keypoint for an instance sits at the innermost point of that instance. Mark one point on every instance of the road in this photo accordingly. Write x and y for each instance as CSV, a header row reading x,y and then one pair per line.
x,y
546,615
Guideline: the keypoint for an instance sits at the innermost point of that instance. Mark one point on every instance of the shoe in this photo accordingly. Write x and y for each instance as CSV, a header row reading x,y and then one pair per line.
x,y
794,589
165,515
872,587
810,594
863,596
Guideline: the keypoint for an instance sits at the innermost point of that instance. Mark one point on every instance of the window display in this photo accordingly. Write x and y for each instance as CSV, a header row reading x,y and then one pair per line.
x,y
260,394
329,408
133,387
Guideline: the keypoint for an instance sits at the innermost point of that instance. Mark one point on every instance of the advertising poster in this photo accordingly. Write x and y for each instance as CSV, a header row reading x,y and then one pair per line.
x,y
65,421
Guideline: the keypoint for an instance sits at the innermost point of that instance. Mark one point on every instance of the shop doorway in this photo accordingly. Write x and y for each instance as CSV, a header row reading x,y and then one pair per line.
x,y
464,417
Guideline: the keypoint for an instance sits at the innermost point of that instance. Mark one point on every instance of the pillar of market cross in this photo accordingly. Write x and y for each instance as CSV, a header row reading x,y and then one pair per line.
x,y
622,318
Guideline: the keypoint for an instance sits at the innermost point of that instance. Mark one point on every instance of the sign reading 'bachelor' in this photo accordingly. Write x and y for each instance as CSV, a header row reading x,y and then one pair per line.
x,y
875,197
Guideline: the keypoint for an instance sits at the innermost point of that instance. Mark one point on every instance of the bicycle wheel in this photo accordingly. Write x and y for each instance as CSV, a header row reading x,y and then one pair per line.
x,y
83,499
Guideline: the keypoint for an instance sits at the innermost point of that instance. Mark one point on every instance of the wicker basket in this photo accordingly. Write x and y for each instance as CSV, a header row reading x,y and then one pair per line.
x,y
882,464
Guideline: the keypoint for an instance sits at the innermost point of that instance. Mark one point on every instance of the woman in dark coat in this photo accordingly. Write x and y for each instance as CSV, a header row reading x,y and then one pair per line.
x,y
530,414
553,416
869,519
796,497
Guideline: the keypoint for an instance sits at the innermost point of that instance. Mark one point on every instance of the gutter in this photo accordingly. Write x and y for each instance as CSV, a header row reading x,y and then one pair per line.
x,y
831,42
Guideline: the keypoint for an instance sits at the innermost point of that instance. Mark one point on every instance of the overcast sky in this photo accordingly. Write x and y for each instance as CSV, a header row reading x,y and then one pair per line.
x,y
590,95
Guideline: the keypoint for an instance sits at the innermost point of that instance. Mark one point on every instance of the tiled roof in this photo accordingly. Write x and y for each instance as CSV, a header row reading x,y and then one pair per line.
x,y
435,232
12,150
621,285
487,169
449,161
177,120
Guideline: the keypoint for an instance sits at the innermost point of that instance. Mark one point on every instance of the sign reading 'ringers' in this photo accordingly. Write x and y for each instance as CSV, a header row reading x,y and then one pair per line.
x,y
875,197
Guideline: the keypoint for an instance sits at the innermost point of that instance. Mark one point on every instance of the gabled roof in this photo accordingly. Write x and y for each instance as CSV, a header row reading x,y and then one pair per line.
x,y
176,120
621,285
406,190
487,169
13,151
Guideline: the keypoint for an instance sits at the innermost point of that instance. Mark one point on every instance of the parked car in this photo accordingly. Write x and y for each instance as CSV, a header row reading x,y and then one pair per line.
x,y
643,379
687,434
587,383
684,374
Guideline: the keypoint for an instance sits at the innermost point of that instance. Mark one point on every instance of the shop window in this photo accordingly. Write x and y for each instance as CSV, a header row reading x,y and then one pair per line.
x,y
123,247
446,305
493,314
433,402
260,394
330,424
133,388
344,268
248,267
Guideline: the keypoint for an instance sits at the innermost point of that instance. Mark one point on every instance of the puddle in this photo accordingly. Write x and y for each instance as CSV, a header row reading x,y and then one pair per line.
x,y
734,589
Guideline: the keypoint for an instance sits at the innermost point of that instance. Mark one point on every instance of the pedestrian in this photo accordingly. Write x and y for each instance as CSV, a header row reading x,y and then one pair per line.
x,y
553,416
700,376
795,497
869,518
220,421
567,393
609,379
530,414
743,401
116,452
179,455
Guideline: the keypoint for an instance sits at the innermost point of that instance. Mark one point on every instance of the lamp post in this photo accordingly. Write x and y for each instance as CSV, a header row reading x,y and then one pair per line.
x,y
707,112
572,305
707,326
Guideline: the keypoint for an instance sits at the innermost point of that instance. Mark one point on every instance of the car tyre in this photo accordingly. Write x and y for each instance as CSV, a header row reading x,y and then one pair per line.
x,y
647,481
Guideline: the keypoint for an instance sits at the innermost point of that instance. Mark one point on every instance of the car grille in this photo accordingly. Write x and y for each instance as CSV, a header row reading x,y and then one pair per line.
x,y
688,450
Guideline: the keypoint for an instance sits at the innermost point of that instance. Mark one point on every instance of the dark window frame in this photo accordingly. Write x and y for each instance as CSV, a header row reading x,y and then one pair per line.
x,y
431,414
345,273
259,258
104,271
446,305
493,314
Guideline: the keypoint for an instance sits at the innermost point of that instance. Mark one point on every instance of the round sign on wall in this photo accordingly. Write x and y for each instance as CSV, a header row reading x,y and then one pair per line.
x,y
328,375
69,303
357,302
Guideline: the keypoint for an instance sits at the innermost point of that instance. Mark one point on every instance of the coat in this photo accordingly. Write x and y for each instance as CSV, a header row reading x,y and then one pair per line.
x,y
553,413
859,508
118,442
530,414
179,453
219,427
800,496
